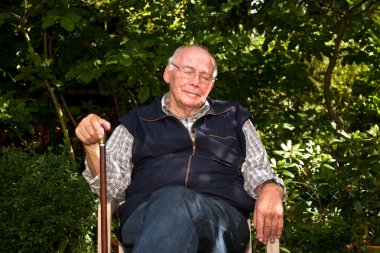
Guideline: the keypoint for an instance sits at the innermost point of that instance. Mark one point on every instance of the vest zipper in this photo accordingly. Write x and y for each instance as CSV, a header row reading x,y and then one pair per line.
x,y
190,158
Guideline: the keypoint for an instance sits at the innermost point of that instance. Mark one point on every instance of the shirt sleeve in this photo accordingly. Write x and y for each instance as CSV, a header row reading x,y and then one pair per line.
x,y
118,165
256,168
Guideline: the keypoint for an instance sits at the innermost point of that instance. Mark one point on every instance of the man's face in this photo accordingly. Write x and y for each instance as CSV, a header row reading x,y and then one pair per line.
x,y
188,94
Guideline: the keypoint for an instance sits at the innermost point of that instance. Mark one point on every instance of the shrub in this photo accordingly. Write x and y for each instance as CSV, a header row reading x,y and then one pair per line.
x,y
45,206
333,203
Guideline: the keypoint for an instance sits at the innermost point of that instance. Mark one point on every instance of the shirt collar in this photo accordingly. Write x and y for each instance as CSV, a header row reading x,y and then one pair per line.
x,y
165,108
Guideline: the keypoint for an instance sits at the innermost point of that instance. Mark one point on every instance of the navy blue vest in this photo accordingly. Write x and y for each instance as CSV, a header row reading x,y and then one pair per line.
x,y
164,154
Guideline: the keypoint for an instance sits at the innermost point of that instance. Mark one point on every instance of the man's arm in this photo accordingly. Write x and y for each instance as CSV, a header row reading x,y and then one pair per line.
x,y
118,160
90,131
262,184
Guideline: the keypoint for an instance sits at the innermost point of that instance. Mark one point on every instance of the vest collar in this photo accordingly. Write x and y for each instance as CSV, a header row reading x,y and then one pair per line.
x,y
154,110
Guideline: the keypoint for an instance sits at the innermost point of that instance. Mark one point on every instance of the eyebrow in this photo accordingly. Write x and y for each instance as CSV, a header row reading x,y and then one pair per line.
x,y
202,72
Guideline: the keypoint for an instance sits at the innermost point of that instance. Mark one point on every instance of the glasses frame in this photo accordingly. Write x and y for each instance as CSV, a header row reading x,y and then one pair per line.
x,y
194,74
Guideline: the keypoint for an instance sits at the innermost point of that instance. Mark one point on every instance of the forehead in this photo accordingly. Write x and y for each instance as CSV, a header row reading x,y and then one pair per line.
x,y
196,58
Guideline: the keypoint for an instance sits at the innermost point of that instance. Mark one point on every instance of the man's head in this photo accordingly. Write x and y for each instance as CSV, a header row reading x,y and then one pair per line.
x,y
190,74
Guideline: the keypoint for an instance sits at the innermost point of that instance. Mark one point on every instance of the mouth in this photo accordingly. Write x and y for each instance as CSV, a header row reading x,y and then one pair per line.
x,y
193,94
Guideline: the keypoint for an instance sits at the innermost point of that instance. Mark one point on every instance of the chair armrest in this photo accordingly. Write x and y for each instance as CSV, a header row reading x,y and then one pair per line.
x,y
273,247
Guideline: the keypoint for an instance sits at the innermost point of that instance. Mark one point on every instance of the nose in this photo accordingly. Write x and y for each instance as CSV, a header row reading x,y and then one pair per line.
x,y
195,80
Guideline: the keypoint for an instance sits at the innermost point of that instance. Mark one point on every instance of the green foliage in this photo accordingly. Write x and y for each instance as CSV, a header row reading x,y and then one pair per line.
x,y
286,61
13,111
45,207
333,191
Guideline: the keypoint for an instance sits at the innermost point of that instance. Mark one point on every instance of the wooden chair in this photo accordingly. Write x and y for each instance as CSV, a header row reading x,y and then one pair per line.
x,y
112,207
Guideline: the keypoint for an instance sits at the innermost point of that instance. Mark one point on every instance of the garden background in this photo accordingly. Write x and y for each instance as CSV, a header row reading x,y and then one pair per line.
x,y
308,70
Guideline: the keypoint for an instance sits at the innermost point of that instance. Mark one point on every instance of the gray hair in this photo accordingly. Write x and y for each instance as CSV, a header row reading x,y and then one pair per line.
x,y
180,49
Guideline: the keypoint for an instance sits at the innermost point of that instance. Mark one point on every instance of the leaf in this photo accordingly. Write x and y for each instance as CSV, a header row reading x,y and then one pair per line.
x,y
289,144
226,7
144,94
74,17
328,166
36,59
279,152
284,147
49,21
345,134
126,60
288,126
288,173
89,75
358,207
67,23
4,17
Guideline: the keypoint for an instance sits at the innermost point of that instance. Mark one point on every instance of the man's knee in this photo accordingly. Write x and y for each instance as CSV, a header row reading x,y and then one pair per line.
x,y
179,199
173,194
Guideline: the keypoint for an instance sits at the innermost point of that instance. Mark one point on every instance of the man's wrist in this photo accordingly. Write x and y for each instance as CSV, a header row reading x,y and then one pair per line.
x,y
272,181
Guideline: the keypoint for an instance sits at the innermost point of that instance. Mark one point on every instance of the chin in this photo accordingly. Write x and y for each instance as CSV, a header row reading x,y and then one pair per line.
x,y
194,104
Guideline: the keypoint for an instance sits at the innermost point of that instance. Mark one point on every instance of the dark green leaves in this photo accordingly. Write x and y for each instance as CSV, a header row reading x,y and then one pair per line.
x,y
67,19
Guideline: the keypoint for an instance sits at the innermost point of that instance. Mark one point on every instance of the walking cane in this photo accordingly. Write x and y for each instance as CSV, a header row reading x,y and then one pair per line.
x,y
103,197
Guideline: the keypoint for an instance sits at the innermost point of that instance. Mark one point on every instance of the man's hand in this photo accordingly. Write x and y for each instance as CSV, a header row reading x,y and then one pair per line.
x,y
91,129
269,213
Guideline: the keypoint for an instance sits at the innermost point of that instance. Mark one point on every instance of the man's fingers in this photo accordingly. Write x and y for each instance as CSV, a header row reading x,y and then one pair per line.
x,y
258,224
280,227
267,234
97,127
91,129
274,229
106,125
268,225
268,213
269,230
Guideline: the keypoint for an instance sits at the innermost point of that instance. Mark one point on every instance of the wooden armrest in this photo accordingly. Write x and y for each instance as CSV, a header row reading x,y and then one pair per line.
x,y
273,247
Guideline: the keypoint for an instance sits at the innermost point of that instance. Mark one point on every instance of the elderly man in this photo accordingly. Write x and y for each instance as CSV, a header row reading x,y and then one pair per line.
x,y
189,168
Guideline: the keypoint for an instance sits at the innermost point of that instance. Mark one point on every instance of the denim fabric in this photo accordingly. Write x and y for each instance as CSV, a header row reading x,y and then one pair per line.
x,y
176,219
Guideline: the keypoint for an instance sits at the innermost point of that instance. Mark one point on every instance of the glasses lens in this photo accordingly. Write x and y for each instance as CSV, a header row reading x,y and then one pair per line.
x,y
190,73
205,79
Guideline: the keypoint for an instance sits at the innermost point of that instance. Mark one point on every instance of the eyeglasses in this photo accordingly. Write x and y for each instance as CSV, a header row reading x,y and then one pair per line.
x,y
187,72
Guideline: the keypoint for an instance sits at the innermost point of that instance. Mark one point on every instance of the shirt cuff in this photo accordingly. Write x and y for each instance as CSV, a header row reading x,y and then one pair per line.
x,y
94,182
277,181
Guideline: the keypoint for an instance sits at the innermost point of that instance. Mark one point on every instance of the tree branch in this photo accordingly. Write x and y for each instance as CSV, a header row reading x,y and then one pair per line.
x,y
22,27
61,118
330,69
67,109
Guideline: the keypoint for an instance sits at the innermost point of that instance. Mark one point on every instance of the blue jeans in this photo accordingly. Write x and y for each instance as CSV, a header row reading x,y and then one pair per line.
x,y
176,219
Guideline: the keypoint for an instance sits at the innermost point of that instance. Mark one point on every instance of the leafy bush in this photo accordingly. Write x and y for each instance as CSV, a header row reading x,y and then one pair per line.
x,y
45,206
334,191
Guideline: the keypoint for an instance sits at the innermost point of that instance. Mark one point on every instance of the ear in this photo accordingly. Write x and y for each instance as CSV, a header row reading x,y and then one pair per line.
x,y
167,74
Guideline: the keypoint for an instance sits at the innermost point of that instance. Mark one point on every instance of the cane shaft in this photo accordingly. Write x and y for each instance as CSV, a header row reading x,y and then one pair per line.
x,y
103,198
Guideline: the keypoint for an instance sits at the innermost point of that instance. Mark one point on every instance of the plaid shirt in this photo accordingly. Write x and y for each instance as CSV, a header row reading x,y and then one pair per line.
x,y
256,168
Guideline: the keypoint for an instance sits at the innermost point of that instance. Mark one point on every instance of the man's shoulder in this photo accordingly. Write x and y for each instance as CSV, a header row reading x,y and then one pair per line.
x,y
145,111
219,105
